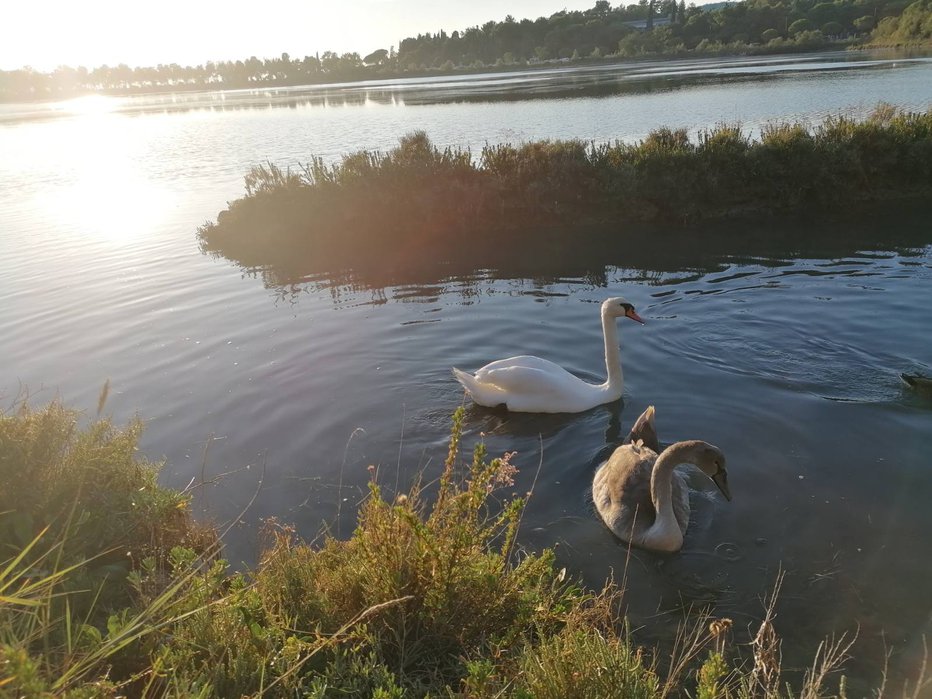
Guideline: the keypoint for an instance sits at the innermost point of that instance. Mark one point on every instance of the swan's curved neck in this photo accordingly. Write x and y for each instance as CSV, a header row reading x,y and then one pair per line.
x,y
665,532
661,477
614,382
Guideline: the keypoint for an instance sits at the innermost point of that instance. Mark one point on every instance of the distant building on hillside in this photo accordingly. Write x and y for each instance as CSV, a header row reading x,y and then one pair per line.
x,y
641,24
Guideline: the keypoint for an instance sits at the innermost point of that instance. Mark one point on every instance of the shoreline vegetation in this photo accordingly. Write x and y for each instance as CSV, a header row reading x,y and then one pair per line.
x,y
647,29
420,203
108,587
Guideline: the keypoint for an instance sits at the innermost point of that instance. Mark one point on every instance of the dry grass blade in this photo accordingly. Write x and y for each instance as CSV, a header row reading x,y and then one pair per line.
x,y
829,658
923,679
691,638
765,674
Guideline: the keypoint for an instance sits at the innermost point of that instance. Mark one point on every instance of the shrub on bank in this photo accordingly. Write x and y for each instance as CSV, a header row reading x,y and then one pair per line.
x,y
427,597
418,200
79,514
87,489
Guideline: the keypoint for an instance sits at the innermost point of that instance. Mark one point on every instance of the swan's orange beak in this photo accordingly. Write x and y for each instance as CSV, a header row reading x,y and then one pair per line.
x,y
630,313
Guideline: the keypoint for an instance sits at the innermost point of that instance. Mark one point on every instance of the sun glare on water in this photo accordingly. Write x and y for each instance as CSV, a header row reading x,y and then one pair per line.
x,y
90,105
105,192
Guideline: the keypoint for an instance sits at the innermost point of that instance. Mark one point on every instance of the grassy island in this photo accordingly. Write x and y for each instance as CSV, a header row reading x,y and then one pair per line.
x,y
418,200
108,588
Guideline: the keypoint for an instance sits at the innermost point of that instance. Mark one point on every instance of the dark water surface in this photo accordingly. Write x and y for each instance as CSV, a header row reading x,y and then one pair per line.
x,y
782,344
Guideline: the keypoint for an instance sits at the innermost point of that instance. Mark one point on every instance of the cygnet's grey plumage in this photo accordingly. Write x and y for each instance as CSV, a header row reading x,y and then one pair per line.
x,y
642,498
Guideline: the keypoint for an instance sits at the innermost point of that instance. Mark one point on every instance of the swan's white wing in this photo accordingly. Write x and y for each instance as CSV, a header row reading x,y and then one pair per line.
x,y
533,385
534,389
525,361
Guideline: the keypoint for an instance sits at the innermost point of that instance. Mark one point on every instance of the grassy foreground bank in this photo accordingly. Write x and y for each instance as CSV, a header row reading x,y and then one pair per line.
x,y
109,588
421,201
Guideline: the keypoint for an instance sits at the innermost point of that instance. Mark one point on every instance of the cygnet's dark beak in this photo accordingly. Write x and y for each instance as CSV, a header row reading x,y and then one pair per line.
x,y
721,480
632,314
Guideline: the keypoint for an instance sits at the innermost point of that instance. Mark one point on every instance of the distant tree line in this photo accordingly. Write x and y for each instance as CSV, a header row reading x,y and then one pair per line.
x,y
66,81
647,28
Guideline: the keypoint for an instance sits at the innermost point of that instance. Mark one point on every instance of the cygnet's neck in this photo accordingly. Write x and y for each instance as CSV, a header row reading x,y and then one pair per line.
x,y
666,532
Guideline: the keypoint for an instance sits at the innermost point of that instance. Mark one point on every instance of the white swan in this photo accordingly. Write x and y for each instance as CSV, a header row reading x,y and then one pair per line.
x,y
527,384
642,499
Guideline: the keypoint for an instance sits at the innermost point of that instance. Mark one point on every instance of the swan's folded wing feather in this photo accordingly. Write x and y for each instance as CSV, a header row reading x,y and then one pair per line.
x,y
523,361
621,491
527,380
680,493
644,430
532,384
634,492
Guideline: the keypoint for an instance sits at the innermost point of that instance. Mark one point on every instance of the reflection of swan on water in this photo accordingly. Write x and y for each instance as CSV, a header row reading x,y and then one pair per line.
x,y
640,496
534,385
922,384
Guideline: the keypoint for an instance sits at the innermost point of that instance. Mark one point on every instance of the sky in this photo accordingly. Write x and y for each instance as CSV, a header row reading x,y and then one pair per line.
x,y
44,34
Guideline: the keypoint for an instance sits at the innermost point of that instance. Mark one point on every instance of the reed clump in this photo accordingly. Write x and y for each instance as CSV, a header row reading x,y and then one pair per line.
x,y
420,200
87,490
80,513
430,596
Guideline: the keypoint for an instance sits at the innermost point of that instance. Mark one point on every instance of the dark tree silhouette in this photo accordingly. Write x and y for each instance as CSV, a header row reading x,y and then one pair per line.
x,y
376,57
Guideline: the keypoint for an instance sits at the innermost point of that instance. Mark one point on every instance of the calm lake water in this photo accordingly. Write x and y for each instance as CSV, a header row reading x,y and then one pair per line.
x,y
783,351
